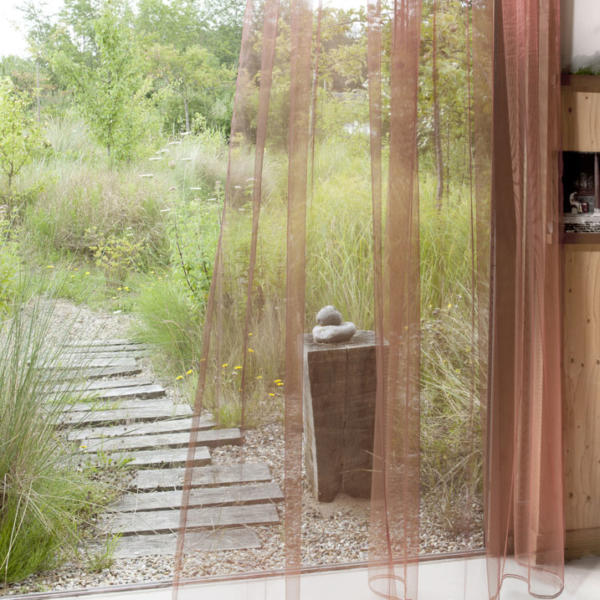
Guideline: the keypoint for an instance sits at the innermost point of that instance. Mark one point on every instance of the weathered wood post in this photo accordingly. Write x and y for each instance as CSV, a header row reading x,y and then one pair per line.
x,y
339,414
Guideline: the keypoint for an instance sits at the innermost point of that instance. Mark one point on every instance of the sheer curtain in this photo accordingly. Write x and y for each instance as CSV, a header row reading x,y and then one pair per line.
x,y
280,257
524,505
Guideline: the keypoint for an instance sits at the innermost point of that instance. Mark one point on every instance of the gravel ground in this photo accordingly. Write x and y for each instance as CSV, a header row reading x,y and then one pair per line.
x,y
335,532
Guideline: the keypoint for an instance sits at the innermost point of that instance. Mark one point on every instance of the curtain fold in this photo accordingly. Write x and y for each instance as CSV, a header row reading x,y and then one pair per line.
x,y
524,512
302,228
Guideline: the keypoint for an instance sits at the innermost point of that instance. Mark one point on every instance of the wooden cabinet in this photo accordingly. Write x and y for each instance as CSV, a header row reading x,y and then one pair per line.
x,y
581,384
581,332
581,113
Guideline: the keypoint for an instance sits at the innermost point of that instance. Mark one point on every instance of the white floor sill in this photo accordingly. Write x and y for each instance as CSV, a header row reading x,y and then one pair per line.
x,y
438,580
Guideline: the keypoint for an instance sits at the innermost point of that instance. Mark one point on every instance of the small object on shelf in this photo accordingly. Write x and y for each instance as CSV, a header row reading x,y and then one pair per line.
x,y
574,203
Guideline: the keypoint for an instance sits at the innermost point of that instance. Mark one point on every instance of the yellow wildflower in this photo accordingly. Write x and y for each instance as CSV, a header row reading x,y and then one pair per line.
x,y
87,272
49,266
225,365
83,447
280,384
449,305
189,371
250,350
250,333
271,394
259,377
179,377
237,367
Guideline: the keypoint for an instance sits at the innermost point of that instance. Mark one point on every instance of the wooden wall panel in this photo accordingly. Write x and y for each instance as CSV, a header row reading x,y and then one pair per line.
x,y
581,362
580,121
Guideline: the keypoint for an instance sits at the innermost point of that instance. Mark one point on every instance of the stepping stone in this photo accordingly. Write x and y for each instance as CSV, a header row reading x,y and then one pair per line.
x,y
142,391
150,458
165,544
85,356
215,475
126,415
213,496
211,437
104,342
167,521
103,347
97,372
99,404
175,425
103,385
93,363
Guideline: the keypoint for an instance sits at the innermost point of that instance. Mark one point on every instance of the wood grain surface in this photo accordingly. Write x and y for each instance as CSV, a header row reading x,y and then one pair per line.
x,y
581,362
580,121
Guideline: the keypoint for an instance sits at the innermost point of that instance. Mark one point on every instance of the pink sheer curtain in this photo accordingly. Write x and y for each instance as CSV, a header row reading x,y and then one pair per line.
x,y
524,505
260,286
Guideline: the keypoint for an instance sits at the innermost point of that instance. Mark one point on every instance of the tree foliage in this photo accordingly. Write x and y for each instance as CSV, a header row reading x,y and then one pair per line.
x,y
20,135
103,68
182,57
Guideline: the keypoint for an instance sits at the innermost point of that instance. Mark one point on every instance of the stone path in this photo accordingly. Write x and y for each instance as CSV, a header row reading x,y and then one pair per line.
x,y
121,416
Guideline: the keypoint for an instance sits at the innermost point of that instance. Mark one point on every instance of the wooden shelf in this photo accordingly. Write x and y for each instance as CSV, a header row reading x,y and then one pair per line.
x,y
591,239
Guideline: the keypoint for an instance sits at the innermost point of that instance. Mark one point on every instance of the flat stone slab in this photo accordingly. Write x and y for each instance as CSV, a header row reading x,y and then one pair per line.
x,y
104,342
164,544
70,356
211,437
214,496
107,384
93,363
214,475
125,415
164,426
104,404
96,372
143,391
151,458
167,521
103,347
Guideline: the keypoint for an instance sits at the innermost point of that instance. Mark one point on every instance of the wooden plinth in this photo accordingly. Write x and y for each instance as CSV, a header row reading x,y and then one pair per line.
x,y
339,414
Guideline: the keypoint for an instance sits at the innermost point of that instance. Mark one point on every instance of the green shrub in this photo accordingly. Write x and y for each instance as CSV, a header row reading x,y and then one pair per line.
x,y
20,135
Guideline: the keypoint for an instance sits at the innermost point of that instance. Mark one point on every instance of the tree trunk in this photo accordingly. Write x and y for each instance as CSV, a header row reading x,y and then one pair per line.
x,y
37,91
437,137
186,109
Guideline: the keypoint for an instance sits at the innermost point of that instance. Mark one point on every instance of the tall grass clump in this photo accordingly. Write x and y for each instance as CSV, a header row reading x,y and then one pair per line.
x,y
43,498
70,140
83,208
9,264
451,428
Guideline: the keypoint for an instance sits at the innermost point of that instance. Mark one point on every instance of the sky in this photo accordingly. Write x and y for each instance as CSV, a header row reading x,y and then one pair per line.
x,y
12,31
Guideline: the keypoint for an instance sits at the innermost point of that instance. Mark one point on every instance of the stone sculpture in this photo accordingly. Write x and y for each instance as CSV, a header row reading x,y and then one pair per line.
x,y
331,328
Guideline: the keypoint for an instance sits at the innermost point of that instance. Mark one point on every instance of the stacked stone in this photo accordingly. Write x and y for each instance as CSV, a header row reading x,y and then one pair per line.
x,y
331,328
